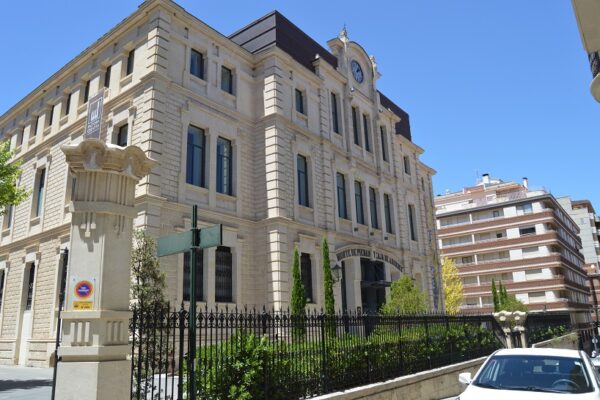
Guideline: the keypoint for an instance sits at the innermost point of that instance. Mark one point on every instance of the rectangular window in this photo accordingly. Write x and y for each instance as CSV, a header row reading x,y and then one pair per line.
x,y
384,146
107,76
130,61
20,137
86,92
2,276
226,80
525,209
51,116
29,288
197,64
360,216
306,276
355,126
199,276
341,195
196,140
39,193
122,136
387,205
68,104
299,101
529,230
406,165
412,222
224,166
7,221
529,251
495,214
366,132
223,275
34,128
302,166
373,208
335,120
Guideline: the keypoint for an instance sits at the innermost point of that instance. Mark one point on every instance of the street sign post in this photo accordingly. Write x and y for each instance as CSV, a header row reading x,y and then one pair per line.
x,y
191,241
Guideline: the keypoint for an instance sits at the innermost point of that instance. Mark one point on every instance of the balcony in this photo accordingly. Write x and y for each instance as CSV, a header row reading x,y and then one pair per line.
x,y
494,222
507,263
503,243
549,283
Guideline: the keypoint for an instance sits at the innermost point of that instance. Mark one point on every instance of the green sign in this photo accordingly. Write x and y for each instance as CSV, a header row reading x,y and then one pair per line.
x,y
211,236
182,242
174,243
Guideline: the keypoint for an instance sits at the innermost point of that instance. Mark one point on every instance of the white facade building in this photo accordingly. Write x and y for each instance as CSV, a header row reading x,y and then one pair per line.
x,y
277,138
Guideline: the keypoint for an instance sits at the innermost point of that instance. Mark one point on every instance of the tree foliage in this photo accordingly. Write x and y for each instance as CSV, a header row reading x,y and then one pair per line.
x,y
149,281
298,299
505,302
10,194
327,279
405,298
495,298
453,287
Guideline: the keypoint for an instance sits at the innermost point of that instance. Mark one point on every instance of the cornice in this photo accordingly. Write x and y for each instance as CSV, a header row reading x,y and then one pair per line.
x,y
67,70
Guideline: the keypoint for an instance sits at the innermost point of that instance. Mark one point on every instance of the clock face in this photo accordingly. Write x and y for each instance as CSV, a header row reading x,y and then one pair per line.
x,y
357,71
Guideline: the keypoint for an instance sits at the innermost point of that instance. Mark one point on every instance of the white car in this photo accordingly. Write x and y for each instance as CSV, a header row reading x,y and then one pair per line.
x,y
539,374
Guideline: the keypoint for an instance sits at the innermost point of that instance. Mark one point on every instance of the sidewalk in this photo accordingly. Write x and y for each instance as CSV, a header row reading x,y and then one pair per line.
x,y
24,383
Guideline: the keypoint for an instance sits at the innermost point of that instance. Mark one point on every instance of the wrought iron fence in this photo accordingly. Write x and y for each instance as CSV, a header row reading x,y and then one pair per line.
x,y
275,355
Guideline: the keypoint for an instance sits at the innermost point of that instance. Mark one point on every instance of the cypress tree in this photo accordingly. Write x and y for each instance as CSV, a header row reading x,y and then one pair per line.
x,y
495,297
298,299
327,279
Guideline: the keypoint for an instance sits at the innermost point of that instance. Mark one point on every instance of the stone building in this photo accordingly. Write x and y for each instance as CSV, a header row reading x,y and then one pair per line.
x,y
272,135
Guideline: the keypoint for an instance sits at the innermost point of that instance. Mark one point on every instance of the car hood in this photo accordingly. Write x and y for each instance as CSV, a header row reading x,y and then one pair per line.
x,y
476,393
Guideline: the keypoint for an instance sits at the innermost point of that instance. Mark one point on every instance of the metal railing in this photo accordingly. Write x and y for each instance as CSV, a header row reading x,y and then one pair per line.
x,y
276,355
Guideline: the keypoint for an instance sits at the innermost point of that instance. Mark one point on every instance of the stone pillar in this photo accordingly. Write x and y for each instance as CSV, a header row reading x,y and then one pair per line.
x,y
95,328
512,322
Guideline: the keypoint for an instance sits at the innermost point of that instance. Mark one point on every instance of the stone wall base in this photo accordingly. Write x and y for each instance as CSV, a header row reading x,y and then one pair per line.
x,y
434,384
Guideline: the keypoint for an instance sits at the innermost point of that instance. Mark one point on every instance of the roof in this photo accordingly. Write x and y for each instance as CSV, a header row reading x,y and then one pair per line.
x,y
271,30
538,351
402,127
275,30
584,203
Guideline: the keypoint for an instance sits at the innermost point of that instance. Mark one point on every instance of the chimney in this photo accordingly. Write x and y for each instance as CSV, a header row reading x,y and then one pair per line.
x,y
526,182
485,178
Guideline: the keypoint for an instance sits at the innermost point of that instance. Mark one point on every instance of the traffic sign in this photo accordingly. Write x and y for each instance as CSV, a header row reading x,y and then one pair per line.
x,y
211,236
174,243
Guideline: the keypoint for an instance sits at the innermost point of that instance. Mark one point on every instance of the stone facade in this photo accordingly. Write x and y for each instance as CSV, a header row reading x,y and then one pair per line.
x,y
262,217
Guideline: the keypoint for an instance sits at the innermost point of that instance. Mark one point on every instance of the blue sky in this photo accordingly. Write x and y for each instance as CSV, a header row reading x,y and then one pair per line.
x,y
491,86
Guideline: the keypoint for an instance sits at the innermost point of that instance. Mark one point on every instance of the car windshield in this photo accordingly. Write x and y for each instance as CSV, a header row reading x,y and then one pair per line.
x,y
535,373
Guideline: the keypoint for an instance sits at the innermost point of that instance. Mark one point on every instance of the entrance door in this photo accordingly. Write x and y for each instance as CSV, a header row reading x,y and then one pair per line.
x,y
26,318
373,289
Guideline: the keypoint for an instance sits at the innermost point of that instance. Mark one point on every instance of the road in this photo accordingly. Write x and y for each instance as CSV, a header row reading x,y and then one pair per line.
x,y
21,383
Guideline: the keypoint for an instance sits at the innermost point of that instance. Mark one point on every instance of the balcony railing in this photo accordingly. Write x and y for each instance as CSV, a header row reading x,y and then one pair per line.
x,y
509,281
487,219
484,262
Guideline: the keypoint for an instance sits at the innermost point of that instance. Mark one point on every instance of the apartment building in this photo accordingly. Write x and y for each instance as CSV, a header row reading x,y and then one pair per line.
x,y
505,231
281,140
584,215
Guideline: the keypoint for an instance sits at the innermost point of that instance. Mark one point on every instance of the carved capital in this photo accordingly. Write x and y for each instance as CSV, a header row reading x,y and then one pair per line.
x,y
95,155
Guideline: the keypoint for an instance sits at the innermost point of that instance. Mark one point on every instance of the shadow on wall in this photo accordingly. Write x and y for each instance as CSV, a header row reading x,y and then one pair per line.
x,y
18,384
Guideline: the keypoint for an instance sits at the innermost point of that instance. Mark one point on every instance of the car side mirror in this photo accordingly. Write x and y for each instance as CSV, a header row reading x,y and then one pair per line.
x,y
465,378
